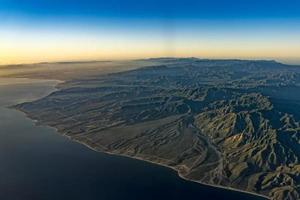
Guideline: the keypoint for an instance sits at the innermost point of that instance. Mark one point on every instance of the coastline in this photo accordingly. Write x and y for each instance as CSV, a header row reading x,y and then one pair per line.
x,y
164,165
40,89
39,123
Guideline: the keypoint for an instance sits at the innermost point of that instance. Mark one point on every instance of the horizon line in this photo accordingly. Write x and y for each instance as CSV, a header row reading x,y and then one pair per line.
x,y
146,58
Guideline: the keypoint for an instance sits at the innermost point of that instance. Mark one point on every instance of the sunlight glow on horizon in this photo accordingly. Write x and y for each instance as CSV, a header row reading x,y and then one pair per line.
x,y
44,31
38,42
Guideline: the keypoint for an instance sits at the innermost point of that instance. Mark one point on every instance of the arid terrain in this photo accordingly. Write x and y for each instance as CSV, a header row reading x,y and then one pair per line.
x,y
233,123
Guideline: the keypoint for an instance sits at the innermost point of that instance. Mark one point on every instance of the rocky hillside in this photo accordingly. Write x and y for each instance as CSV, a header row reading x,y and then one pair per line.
x,y
225,122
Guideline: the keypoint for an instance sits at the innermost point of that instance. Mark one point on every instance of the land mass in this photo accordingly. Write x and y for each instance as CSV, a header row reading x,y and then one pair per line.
x,y
231,123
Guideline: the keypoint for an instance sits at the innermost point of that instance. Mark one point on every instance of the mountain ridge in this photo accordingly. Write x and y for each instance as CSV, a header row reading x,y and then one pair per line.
x,y
221,125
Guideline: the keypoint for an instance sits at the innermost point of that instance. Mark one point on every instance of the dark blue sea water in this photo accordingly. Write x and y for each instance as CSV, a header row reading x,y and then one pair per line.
x,y
36,163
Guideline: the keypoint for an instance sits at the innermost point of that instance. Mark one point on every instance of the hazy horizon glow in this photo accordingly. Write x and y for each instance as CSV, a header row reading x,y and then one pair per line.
x,y
58,30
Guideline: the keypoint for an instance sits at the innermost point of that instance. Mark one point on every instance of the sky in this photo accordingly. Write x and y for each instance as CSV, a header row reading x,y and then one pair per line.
x,y
59,30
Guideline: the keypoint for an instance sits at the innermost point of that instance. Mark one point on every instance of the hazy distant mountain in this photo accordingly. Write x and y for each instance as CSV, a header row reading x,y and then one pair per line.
x,y
234,123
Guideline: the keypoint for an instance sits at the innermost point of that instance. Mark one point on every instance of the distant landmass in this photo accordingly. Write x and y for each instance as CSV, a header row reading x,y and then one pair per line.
x,y
231,123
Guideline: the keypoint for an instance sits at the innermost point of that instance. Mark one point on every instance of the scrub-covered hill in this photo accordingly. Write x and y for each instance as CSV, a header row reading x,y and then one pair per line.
x,y
233,123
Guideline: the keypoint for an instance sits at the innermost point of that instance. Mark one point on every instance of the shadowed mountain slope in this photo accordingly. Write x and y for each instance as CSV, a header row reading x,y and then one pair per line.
x,y
233,123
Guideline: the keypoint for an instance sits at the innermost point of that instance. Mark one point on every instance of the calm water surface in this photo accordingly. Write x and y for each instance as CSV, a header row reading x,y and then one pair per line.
x,y
36,163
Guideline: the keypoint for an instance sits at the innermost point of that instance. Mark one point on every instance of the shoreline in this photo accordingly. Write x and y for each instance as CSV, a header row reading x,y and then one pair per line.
x,y
38,123
163,165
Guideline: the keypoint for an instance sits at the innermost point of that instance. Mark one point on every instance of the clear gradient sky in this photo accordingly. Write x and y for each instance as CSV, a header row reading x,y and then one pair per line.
x,y
56,30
